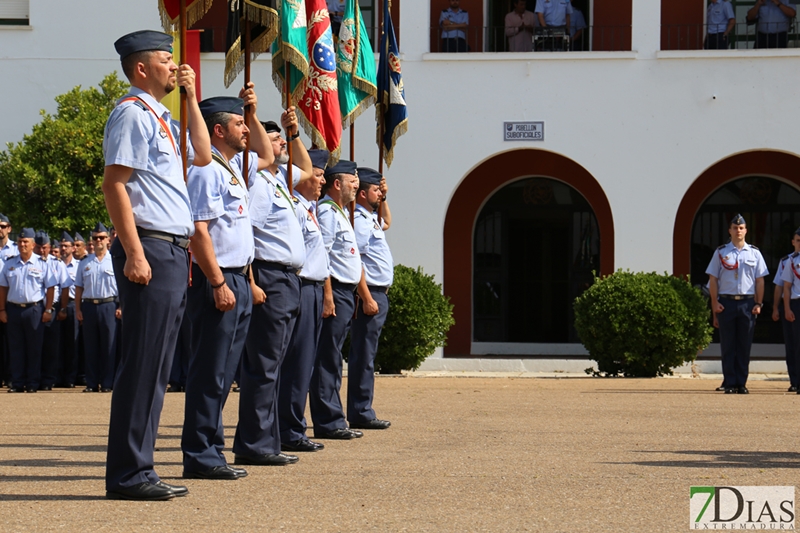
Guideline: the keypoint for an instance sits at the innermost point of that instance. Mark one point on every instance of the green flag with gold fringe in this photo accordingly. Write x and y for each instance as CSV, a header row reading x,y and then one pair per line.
x,y
355,65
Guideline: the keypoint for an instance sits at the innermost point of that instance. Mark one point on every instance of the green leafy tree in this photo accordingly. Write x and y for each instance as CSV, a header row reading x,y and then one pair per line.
x,y
641,324
52,179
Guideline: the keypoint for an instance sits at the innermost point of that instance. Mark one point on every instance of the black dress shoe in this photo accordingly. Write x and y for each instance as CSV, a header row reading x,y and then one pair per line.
x,y
742,390
106,389
721,388
46,387
339,434
178,490
302,445
371,424
174,388
16,389
268,459
91,389
31,389
217,472
792,389
730,390
142,491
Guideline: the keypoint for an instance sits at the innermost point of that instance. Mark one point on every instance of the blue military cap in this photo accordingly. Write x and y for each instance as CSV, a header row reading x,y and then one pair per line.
x,y
65,237
41,237
271,126
368,175
738,220
143,41
79,237
54,244
319,158
100,228
221,104
342,167
26,233
4,218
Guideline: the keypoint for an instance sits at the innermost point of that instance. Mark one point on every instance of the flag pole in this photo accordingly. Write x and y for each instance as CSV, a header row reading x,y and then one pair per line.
x,y
184,105
383,116
248,111
353,158
288,141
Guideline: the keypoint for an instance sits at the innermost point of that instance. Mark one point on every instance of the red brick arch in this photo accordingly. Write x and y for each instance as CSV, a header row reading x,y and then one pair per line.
x,y
466,204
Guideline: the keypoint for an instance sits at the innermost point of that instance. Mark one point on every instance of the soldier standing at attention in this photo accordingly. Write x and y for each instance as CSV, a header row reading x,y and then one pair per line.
x,y
778,314
736,283
148,203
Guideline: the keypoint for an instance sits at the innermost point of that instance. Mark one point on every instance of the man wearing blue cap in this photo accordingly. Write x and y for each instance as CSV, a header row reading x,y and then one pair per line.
x,y
789,270
7,249
736,285
66,314
51,342
378,276
80,247
26,304
327,414
279,255
298,365
148,203
778,314
97,309
220,298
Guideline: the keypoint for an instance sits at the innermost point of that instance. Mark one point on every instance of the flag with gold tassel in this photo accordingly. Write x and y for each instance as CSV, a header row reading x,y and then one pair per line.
x,y
170,11
263,16
355,65
391,112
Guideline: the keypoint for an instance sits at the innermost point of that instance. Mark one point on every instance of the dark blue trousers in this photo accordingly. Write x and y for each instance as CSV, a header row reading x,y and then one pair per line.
x,y
100,339
789,344
152,318
217,341
736,326
298,365
327,414
183,351
364,335
51,348
68,368
271,329
25,334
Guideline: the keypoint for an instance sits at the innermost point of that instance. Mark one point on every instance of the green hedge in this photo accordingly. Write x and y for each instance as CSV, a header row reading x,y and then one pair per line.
x,y
641,324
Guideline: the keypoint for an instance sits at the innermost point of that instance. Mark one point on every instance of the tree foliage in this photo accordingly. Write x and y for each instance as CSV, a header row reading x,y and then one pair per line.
x,y
52,179
641,324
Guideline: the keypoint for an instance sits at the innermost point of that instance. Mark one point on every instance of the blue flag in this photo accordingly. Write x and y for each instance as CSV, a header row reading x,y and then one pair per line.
x,y
391,113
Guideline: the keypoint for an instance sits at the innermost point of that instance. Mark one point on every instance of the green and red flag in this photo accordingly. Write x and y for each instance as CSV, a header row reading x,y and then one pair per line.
x,y
263,16
355,65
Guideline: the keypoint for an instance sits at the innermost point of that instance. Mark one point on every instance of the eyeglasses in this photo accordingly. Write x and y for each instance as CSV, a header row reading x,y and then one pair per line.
x,y
99,237
5,226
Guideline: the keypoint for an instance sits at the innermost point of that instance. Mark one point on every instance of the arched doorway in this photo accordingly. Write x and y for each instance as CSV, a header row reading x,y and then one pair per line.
x,y
467,204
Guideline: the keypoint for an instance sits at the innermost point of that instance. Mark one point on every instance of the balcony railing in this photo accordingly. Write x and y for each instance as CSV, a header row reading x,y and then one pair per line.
x,y
494,39
742,37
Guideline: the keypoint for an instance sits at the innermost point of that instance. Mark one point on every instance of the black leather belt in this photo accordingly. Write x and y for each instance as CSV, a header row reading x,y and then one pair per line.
x,y
182,242
98,301
25,305
737,296
271,265
375,288
305,282
350,286
236,270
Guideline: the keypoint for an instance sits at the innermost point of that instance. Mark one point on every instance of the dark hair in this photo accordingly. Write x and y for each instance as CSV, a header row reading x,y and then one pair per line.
x,y
129,62
329,182
220,117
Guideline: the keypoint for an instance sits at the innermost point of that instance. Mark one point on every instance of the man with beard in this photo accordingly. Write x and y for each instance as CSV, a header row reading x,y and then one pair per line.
x,y
298,365
279,254
327,415
378,276
148,203
220,298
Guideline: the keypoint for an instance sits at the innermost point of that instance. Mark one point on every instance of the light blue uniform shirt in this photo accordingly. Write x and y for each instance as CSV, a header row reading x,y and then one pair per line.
x,y
61,275
276,232
72,271
576,22
719,13
134,138
340,242
787,274
27,281
8,251
771,19
316,265
555,11
375,253
96,277
222,199
741,280
456,17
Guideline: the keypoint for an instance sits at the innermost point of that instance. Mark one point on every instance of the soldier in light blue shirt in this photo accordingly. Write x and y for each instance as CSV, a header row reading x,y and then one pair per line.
x,y
773,18
454,22
7,249
66,313
553,13
51,341
26,305
97,309
280,253
778,313
221,296
736,285
148,203
720,21
368,322
298,365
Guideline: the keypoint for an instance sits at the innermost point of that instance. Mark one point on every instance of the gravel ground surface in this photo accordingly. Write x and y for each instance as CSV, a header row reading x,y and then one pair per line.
x,y
463,454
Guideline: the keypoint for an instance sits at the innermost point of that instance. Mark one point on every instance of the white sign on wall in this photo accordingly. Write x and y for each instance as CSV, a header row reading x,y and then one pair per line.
x,y
523,131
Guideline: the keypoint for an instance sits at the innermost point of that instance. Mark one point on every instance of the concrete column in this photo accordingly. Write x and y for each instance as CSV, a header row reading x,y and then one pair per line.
x,y
646,31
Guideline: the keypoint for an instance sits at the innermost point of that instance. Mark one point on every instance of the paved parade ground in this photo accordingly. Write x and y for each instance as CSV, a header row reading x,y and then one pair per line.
x,y
463,454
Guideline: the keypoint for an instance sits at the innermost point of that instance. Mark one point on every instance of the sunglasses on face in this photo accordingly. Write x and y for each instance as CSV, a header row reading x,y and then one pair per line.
x,y
99,237
5,226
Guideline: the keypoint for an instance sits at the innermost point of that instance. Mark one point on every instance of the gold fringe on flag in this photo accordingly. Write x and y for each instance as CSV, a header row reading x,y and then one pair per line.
x,y
194,12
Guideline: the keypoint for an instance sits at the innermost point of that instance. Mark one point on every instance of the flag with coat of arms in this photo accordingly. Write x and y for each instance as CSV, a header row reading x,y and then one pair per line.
x,y
391,113
355,65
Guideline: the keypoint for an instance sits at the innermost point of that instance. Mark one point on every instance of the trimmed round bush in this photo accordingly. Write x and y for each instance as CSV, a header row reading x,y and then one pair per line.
x,y
641,324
